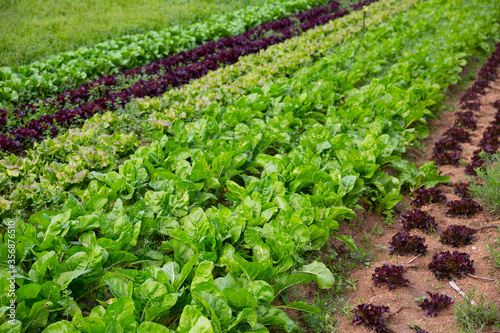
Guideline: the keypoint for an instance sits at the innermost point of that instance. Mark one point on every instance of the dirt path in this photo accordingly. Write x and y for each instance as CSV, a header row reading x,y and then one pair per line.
x,y
401,301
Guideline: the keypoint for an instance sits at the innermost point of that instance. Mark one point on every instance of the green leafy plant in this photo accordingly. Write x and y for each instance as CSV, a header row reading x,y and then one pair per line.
x,y
472,318
237,193
485,187
494,251
132,124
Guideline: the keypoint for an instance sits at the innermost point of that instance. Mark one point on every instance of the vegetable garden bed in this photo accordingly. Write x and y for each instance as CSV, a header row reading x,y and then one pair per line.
x,y
24,124
105,139
467,241
204,227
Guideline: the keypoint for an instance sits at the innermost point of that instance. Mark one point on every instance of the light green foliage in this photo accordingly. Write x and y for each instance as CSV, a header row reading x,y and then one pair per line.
x,y
485,187
474,318
493,248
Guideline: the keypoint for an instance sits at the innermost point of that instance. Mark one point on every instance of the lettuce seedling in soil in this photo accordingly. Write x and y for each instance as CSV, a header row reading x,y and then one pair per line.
x,y
458,235
447,144
479,86
489,142
463,208
458,133
470,168
496,120
446,265
391,275
436,303
469,96
476,155
426,196
370,316
446,158
489,70
466,120
404,243
471,105
493,130
496,104
462,190
418,219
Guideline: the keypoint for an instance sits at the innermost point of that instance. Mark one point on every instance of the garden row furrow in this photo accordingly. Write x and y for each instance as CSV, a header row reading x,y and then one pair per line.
x,y
201,230
460,225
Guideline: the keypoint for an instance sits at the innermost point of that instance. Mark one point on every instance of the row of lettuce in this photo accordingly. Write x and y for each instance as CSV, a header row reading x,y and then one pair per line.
x,y
64,163
23,124
201,230
68,70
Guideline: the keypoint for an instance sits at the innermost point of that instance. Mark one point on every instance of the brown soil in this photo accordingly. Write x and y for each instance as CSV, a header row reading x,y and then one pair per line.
x,y
401,301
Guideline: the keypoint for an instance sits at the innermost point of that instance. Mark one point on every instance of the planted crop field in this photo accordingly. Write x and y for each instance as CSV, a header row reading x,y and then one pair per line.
x,y
277,166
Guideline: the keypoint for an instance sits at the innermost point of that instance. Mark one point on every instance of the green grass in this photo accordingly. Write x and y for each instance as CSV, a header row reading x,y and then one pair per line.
x,y
485,187
30,30
494,250
474,318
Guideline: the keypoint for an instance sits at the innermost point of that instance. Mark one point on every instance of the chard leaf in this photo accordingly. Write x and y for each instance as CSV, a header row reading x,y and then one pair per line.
x,y
242,299
320,274
287,280
64,279
60,327
347,239
302,307
148,327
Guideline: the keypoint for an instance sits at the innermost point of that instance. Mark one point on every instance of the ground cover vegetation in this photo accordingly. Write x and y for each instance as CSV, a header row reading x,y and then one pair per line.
x,y
476,317
203,228
486,184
